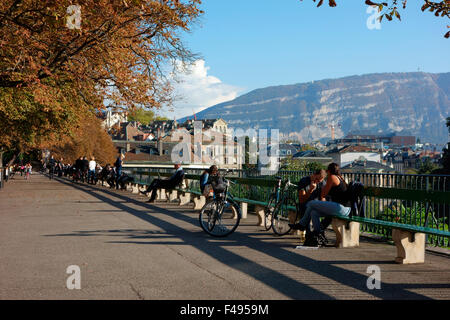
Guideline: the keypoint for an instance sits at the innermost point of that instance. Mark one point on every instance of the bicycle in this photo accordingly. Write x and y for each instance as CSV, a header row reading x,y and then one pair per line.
x,y
220,216
287,203
273,200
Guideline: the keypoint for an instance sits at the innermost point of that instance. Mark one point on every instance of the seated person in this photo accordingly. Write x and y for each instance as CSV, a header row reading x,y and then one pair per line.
x,y
309,188
124,180
111,177
170,183
204,180
336,189
215,180
104,173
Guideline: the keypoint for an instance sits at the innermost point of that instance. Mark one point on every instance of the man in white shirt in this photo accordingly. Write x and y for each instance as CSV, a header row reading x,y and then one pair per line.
x,y
91,174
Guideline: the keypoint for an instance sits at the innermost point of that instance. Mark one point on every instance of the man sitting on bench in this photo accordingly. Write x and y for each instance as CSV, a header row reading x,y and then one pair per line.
x,y
309,188
170,183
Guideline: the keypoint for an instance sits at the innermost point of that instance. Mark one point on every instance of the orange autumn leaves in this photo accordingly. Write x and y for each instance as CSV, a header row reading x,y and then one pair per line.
x,y
89,140
51,75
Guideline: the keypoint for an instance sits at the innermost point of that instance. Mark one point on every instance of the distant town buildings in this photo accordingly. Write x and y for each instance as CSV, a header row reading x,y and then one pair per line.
x,y
372,140
111,118
350,153
162,140
158,141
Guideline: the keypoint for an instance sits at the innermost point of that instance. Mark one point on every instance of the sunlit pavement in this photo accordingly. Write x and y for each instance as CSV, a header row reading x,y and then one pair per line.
x,y
128,249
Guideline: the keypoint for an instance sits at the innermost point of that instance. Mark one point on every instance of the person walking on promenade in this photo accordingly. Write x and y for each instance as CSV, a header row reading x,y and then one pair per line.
x,y
28,168
92,167
6,173
52,166
60,167
118,165
85,168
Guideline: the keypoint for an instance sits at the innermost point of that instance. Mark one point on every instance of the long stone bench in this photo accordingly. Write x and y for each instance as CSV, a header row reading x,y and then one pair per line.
x,y
409,239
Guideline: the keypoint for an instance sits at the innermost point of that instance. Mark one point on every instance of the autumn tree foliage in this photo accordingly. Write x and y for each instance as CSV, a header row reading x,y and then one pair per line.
x,y
89,140
389,9
53,74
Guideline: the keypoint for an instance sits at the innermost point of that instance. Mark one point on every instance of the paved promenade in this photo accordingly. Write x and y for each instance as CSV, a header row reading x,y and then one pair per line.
x,y
128,249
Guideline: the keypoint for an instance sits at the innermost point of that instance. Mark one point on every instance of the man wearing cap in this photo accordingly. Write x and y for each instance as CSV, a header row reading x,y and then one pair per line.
x,y
170,183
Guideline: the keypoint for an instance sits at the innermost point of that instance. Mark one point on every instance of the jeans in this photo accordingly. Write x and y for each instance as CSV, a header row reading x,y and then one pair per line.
x,y
315,209
91,176
118,175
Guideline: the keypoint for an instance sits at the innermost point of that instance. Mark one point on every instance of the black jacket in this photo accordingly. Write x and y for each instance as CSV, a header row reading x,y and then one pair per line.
x,y
52,163
176,179
79,164
85,165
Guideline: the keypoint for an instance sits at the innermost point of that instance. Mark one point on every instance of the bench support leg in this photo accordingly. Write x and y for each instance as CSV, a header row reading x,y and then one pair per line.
x,y
142,188
199,202
259,210
185,198
235,214
301,234
410,246
244,206
173,195
347,233
162,194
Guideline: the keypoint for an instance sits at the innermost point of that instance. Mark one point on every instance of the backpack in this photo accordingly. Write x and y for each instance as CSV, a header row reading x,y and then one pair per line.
x,y
218,184
356,198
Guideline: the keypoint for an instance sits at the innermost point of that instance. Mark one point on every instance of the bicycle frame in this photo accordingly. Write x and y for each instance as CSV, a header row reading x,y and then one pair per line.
x,y
285,193
227,195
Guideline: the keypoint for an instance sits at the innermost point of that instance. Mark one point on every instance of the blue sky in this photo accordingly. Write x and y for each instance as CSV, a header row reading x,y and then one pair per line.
x,y
250,44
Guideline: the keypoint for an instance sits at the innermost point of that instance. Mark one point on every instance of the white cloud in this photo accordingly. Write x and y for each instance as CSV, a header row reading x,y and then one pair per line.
x,y
197,91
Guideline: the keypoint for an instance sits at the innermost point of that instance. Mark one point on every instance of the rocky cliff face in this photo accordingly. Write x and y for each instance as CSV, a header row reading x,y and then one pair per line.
x,y
407,103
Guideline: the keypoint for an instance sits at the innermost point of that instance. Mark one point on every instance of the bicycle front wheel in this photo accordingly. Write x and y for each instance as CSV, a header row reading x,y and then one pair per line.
x,y
219,219
281,217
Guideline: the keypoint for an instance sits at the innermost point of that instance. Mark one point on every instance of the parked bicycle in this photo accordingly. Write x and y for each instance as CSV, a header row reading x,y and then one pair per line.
x,y
220,216
285,209
273,200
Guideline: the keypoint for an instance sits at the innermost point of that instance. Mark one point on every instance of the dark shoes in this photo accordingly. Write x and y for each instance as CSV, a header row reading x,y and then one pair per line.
x,y
297,226
151,201
321,239
315,240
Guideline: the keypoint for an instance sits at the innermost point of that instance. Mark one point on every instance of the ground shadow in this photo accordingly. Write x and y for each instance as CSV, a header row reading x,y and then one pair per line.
x,y
282,283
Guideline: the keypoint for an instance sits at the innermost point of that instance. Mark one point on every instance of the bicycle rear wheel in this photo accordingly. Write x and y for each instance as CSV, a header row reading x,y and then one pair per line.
x,y
268,212
219,219
280,217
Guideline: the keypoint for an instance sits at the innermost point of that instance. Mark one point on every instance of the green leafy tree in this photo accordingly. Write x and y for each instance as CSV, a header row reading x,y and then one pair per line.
x,y
300,165
144,116
307,147
427,167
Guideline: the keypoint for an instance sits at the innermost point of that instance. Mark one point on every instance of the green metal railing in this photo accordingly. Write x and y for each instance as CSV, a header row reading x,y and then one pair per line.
x,y
422,200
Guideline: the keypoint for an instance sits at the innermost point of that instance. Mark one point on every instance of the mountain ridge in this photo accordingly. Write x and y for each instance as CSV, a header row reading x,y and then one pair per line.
x,y
413,102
